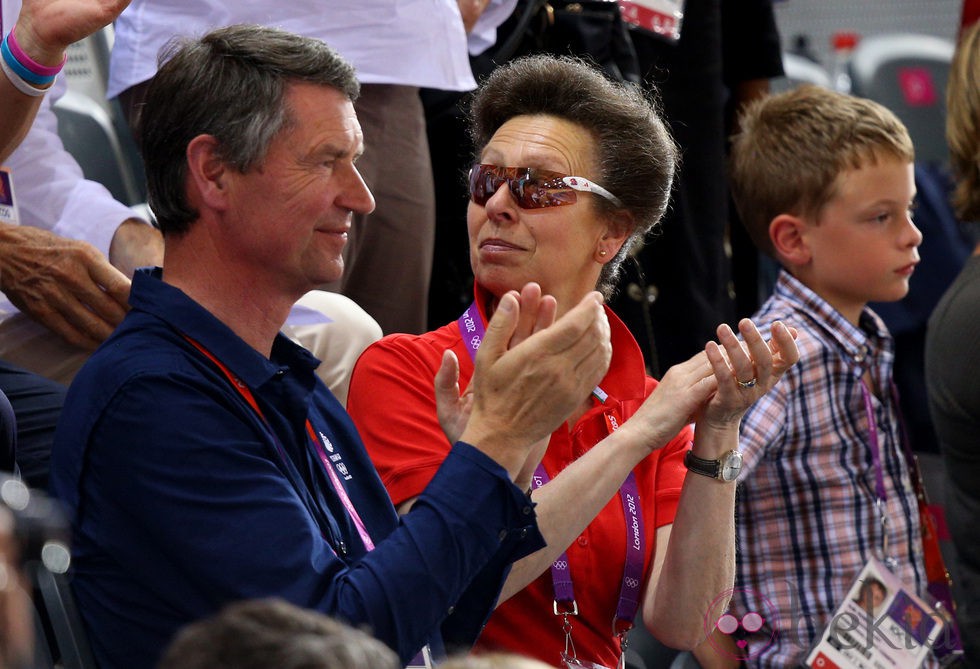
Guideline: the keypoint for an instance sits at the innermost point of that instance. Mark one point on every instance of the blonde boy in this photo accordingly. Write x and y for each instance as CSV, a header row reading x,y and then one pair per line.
x,y
824,184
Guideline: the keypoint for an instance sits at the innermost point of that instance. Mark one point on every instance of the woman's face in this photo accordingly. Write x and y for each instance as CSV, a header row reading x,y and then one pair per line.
x,y
558,247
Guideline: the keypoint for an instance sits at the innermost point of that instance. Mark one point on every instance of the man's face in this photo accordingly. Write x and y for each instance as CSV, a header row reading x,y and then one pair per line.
x,y
289,215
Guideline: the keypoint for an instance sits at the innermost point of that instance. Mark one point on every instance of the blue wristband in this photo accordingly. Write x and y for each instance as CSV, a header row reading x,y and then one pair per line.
x,y
19,69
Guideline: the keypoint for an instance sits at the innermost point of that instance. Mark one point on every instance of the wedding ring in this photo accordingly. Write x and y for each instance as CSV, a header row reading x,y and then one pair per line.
x,y
747,384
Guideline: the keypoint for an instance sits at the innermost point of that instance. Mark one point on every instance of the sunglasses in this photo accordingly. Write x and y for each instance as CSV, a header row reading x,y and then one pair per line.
x,y
531,188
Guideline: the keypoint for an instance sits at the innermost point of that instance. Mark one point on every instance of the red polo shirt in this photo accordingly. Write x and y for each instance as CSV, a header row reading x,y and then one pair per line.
x,y
407,445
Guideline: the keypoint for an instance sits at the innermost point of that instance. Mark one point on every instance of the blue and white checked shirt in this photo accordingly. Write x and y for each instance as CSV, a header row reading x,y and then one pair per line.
x,y
806,516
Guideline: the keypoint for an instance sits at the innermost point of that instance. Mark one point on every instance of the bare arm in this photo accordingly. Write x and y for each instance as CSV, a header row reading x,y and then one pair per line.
x,y
45,29
699,564
568,503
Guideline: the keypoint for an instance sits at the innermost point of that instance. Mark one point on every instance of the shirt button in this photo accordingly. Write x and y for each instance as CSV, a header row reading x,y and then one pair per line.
x,y
450,611
502,535
526,511
523,533
583,542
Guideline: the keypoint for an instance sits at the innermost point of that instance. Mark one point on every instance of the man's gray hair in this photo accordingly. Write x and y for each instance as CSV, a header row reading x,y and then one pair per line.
x,y
231,84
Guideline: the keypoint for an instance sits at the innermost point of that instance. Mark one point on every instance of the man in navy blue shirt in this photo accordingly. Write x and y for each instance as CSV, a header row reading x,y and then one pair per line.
x,y
199,455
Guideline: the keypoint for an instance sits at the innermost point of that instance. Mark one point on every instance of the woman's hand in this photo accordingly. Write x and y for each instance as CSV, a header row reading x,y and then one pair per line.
x,y
745,370
706,388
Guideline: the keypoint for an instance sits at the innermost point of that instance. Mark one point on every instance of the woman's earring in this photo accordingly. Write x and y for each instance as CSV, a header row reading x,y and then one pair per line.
x,y
602,252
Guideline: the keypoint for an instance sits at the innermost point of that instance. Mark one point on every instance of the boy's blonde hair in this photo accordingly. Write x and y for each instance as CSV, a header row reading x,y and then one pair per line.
x,y
793,146
963,123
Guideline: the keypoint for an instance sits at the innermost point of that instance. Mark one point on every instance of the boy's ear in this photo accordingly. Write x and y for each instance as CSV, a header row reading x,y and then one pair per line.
x,y
788,239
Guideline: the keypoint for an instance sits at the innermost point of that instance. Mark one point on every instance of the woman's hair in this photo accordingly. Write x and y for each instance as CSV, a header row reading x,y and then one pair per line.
x,y
231,84
792,147
963,123
263,633
634,152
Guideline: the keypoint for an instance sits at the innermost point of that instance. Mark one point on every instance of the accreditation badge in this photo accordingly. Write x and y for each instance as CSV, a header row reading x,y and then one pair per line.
x,y
662,18
880,625
8,207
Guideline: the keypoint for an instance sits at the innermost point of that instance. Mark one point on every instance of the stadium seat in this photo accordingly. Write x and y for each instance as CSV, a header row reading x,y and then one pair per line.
x,y
799,70
87,73
90,135
67,639
907,73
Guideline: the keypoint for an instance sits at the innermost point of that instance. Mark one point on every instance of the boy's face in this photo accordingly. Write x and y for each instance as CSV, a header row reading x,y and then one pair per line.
x,y
863,247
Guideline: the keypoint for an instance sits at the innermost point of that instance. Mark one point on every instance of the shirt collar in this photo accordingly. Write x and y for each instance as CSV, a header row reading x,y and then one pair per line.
x,y
860,343
171,305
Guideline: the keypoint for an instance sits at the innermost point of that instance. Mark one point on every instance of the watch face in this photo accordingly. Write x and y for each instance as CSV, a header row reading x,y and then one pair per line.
x,y
731,465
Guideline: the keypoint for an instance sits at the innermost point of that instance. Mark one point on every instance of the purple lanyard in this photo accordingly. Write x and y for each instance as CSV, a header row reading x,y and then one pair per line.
x,y
869,411
472,330
881,495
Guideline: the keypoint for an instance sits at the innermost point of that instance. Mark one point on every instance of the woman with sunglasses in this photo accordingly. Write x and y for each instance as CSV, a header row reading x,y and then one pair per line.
x,y
571,171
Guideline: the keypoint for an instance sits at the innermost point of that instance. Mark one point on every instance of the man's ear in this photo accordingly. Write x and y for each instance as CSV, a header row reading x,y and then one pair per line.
x,y
788,237
207,173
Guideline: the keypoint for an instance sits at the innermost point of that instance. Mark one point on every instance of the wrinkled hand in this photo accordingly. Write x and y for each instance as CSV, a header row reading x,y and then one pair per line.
x,y
705,388
521,392
453,409
747,360
537,313
66,285
45,28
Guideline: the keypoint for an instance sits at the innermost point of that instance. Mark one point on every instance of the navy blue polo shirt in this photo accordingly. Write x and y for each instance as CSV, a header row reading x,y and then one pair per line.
x,y
184,497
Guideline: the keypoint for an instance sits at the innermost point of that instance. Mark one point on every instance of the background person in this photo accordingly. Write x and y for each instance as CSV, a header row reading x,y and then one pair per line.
x,y
567,178
263,633
952,356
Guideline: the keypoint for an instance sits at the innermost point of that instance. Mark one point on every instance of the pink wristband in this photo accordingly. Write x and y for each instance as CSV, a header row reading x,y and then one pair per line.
x,y
28,62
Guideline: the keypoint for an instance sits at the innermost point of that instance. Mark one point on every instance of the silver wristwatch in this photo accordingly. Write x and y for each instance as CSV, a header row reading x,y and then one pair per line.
x,y
725,468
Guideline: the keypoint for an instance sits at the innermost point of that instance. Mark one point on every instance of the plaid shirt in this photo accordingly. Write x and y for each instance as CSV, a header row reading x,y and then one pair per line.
x,y
807,518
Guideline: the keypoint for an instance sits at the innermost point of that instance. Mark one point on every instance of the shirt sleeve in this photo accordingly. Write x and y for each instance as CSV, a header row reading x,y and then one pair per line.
x,y
51,192
407,446
764,424
196,508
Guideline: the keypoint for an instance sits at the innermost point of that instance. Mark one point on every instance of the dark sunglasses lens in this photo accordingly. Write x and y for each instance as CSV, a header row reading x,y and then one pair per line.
x,y
483,183
544,191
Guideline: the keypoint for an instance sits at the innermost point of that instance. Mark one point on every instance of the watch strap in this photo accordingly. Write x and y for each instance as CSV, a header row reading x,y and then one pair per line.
x,y
709,468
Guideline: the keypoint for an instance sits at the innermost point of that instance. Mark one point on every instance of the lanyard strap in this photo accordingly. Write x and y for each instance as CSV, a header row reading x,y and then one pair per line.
x,y
472,329
629,593
249,398
873,443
